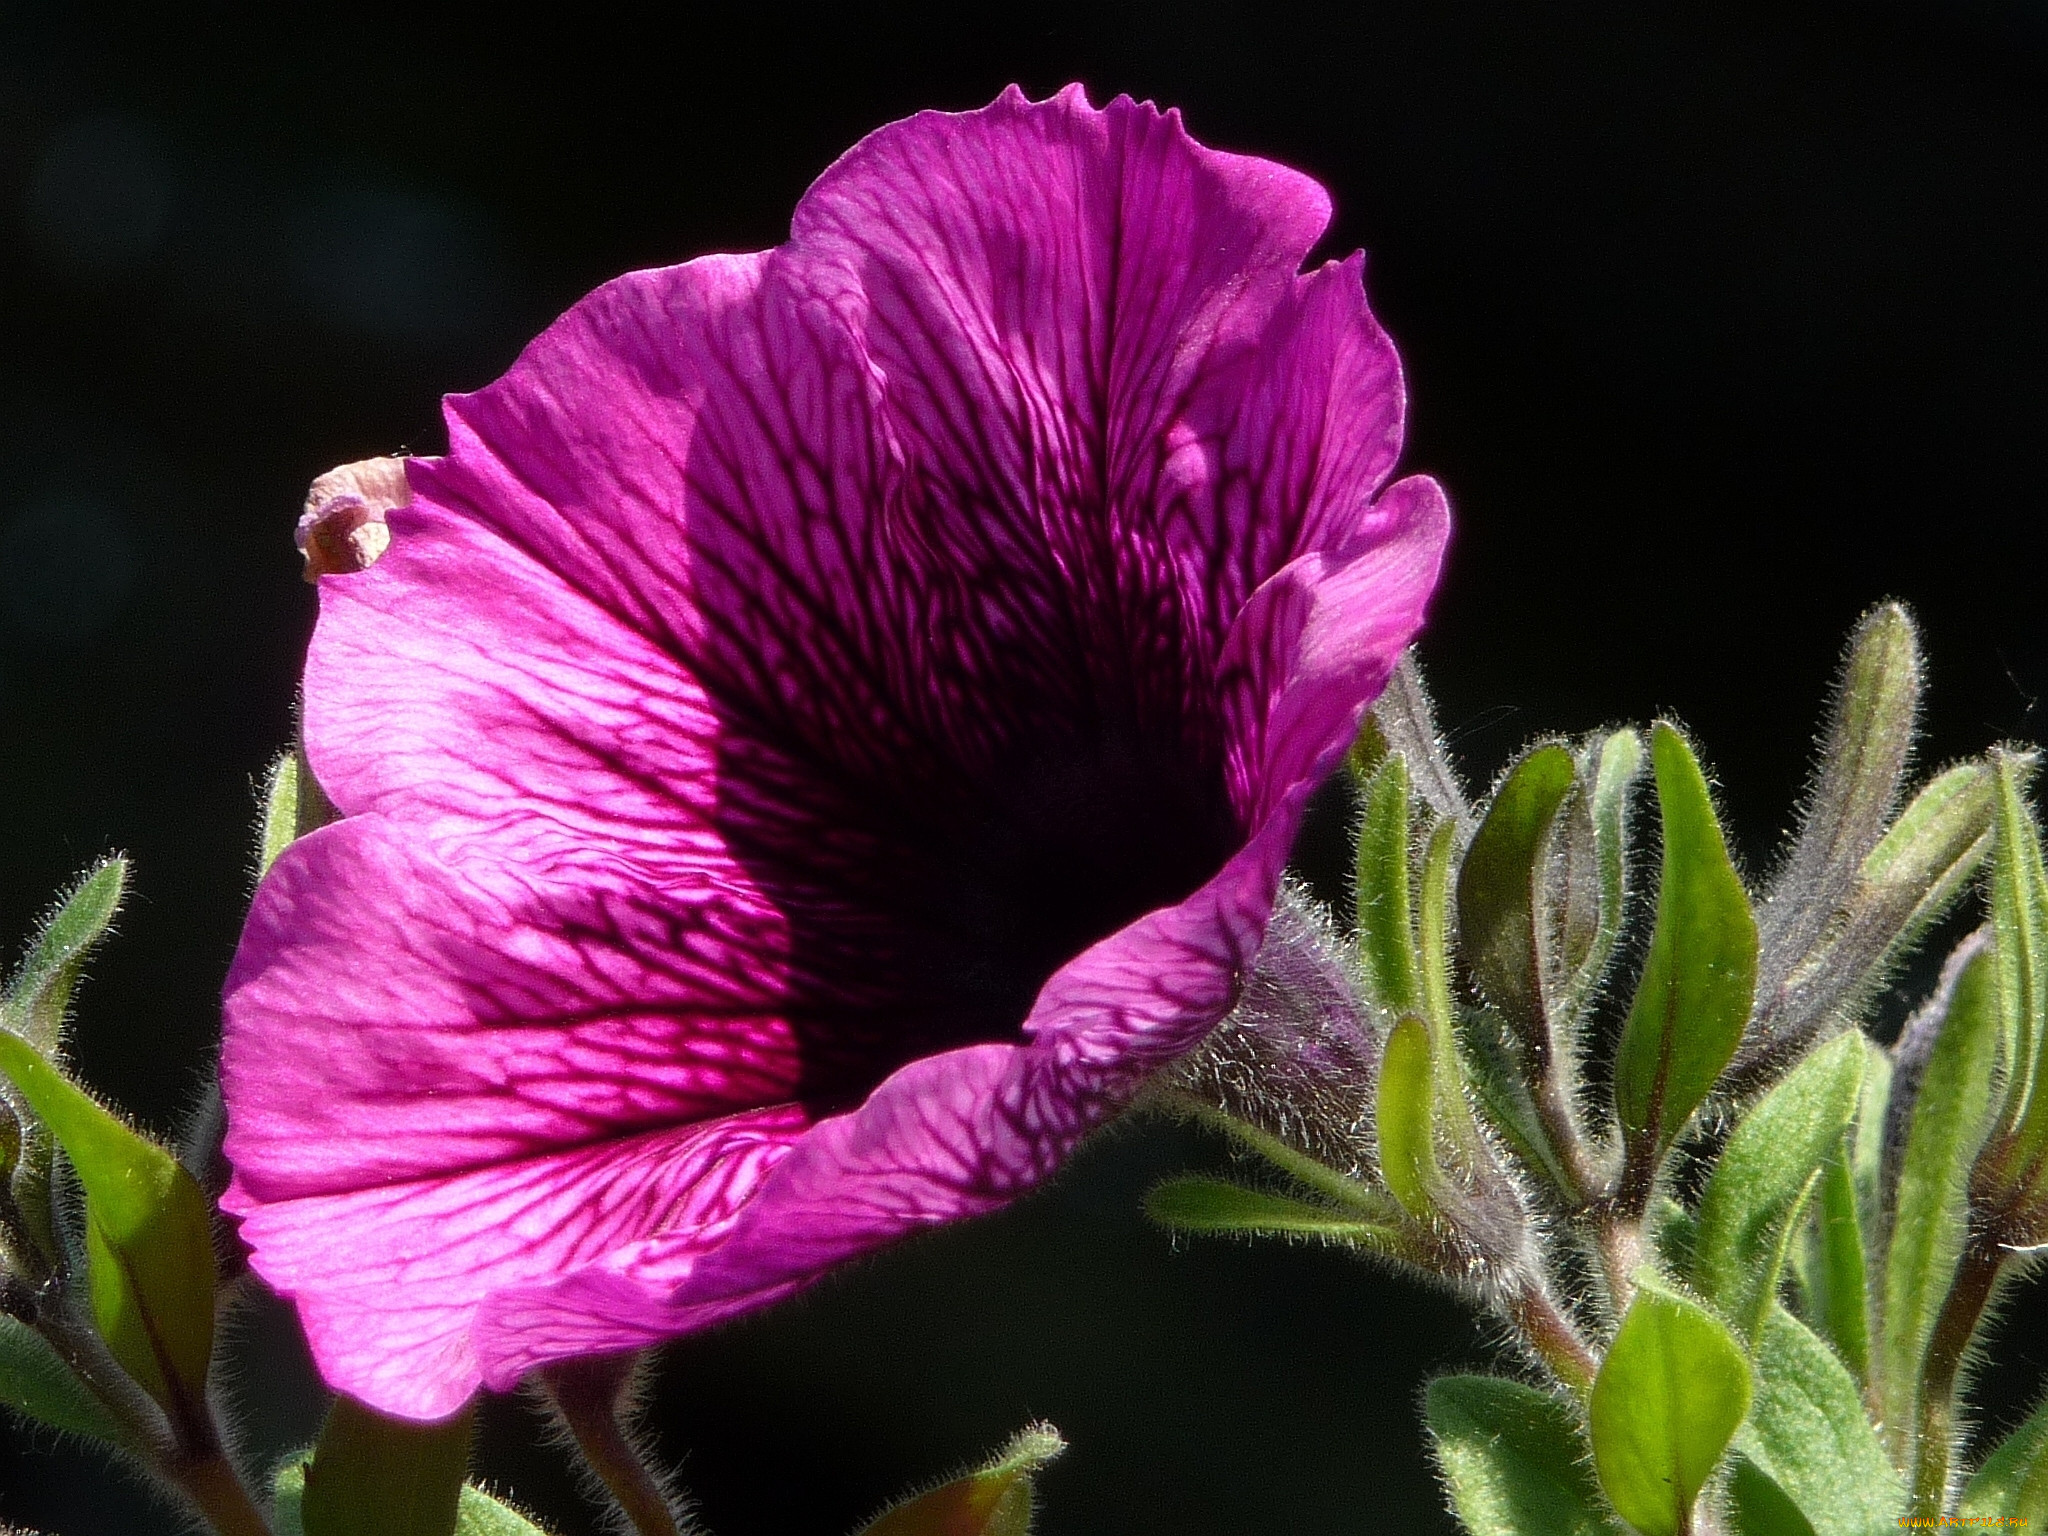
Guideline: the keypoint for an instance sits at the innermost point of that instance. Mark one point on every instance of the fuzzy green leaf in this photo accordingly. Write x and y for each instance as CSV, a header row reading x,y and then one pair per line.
x,y
1406,1118
1951,1114
1749,1211
1433,955
1759,1507
36,1383
1513,1458
1700,977
376,1476
40,995
1386,932
2019,917
1808,1430
1499,900
1669,1397
1931,851
1607,773
995,1501
1195,1203
148,1234
280,825
2012,1485
1840,1290
480,1514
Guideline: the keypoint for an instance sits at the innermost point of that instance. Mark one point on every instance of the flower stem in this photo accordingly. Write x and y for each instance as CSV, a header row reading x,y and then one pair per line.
x,y
1934,1443
217,1491
1567,1141
587,1396
1619,1241
184,1449
1553,1338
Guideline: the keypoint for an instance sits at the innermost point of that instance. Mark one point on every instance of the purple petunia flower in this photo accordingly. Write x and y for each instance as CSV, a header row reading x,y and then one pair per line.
x,y
828,730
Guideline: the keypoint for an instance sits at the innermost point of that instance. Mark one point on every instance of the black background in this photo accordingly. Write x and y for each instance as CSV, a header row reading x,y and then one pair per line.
x,y
1720,323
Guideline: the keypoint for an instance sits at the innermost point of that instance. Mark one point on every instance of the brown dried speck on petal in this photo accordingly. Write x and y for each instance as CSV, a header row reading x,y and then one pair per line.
x,y
342,528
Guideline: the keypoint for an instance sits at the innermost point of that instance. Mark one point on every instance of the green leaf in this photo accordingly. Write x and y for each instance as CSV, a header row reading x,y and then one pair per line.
x,y
1386,934
36,1382
1808,1430
995,1501
1194,1203
40,995
2019,917
2013,1482
1950,1116
1840,1273
1749,1211
148,1235
376,1476
288,1496
1674,1233
1866,1147
1499,892
481,1514
1931,851
1513,1458
1607,773
1700,977
280,825
1760,1507
293,805
1406,1118
1669,1397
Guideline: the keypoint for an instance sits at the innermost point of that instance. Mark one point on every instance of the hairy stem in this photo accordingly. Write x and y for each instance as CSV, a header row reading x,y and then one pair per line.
x,y
1567,1142
1618,1239
217,1492
1553,1338
587,1396
1934,1444
183,1449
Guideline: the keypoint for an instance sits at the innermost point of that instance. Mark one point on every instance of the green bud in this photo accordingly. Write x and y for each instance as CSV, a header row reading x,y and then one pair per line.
x,y
39,998
1863,757
994,1501
148,1236
1503,927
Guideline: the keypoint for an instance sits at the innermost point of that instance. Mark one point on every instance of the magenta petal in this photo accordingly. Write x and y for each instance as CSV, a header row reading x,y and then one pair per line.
x,y
831,726
388,1277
